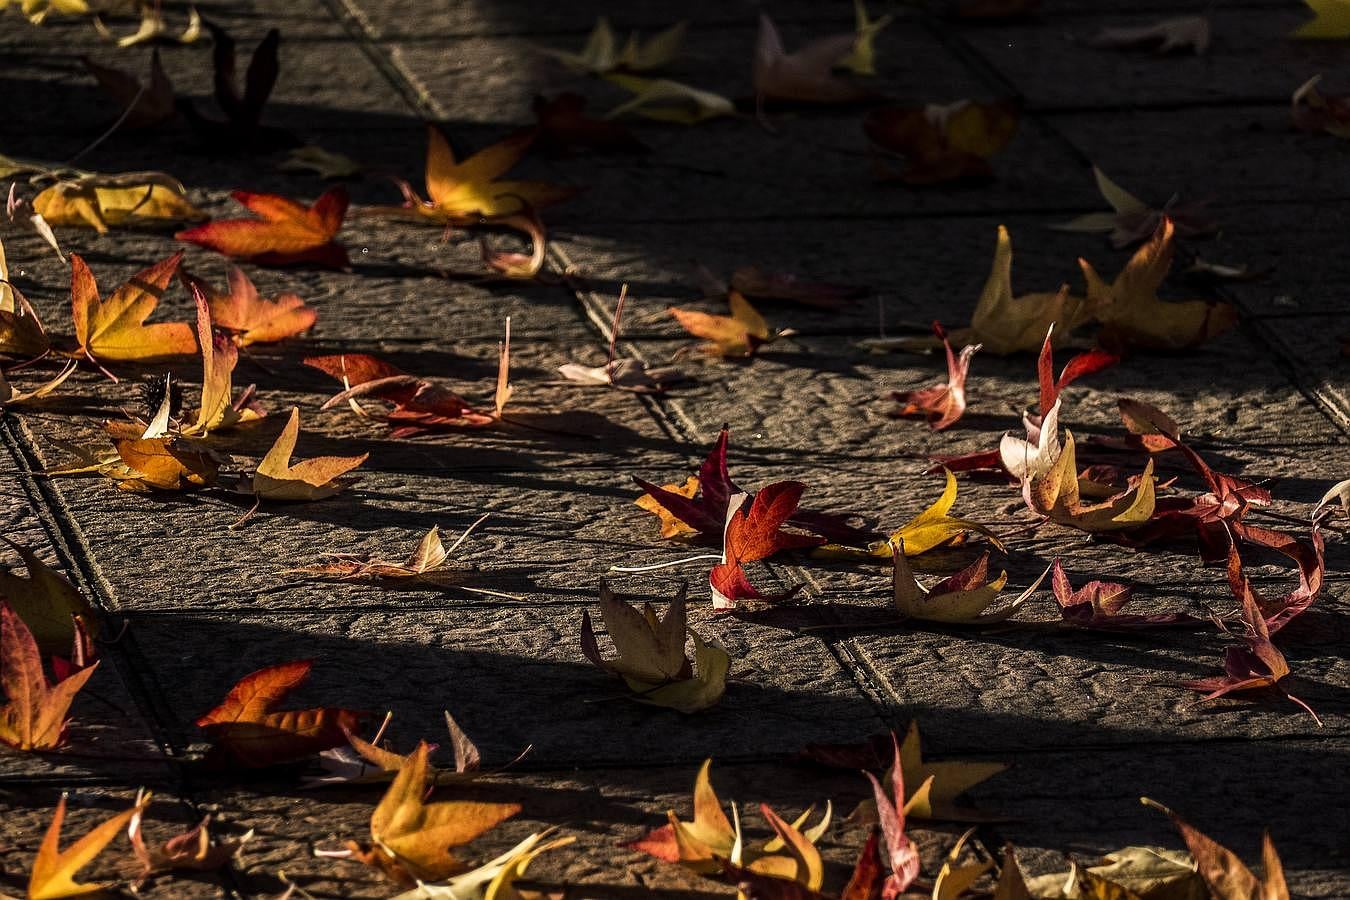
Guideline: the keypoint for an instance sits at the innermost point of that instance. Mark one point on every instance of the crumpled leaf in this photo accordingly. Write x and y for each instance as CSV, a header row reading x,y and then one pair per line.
x,y
1226,876
21,332
1314,111
1056,494
602,54
190,850
247,730
961,599
35,716
1098,604
944,143
668,101
1153,873
54,869
1338,491
1131,313
493,880
411,839
153,27
284,233
804,75
1131,220
45,601
242,127
512,263
10,397
652,659
1311,564
861,59
318,161
900,854
144,105
428,564
218,410
954,880
366,762
114,330
943,404
755,535
248,317
36,11
1180,34
1331,22
737,335
277,478
101,202
464,192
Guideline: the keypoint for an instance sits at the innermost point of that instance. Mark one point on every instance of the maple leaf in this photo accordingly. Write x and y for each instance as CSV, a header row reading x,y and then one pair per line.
x,y
861,59
1081,365
1131,220
412,839
115,329
1098,604
247,730
153,27
804,75
961,599
943,404
1131,313
494,879
190,850
248,317
54,869
428,564
218,410
34,718
144,105
362,762
36,11
1338,491
9,397
933,527
465,192
511,263
602,54
1311,573
737,335
21,331
1121,875
1313,111
944,143
285,233
1331,22
940,784
755,535
277,478
563,128
1227,876
1184,33
242,128
953,880
105,201
1056,493
651,659
668,101
1256,666
47,603
901,856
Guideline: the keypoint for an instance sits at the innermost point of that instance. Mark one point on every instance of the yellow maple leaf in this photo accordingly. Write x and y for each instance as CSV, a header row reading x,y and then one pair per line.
x,y
103,202
276,478
54,869
115,329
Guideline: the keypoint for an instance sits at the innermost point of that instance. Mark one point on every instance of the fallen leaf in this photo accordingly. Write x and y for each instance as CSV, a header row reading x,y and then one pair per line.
x,y
364,762
36,11
1131,220
861,59
35,716
943,404
1226,876
1083,364
9,397
1098,604
756,535
944,143
1184,33
737,335
411,839
1131,313
901,856
1056,494
54,869
1155,873
428,564
511,263
563,128
961,599
318,161
21,333
285,233
142,104
242,127
20,212
153,27
101,202
668,101
190,850
248,317
1311,564
1331,22
247,730
602,54
495,879
45,601
114,330
804,75
218,410
462,193
954,880
1315,112
1338,491
277,478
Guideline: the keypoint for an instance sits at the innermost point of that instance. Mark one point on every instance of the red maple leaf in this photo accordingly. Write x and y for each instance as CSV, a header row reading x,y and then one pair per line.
x,y
942,404
285,233
753,536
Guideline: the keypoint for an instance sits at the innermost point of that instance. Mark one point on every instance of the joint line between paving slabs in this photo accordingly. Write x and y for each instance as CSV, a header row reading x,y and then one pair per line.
x,y
409,86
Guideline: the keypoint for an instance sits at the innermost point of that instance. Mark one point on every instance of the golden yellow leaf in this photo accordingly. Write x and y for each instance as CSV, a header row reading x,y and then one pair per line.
x,y
739,334
276,478
54,869
671,527
115,329
961,599
91,205
1056,494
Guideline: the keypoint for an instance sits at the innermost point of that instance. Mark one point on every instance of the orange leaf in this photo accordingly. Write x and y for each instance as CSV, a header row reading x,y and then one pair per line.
x,y
252,319
35,716
53,875
739,334
285,233
247,730
115,329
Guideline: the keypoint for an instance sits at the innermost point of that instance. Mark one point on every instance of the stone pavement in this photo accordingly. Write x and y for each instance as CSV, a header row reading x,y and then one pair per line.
x,y
1089,721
